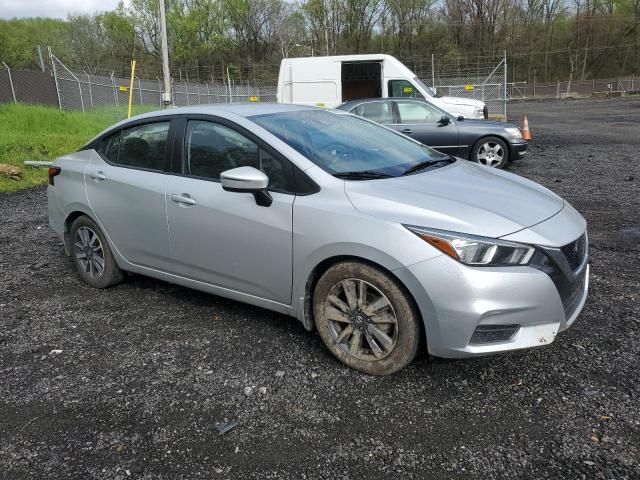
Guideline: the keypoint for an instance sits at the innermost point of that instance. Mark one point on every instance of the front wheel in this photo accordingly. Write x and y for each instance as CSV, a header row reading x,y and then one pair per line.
x,y
491,152
365,318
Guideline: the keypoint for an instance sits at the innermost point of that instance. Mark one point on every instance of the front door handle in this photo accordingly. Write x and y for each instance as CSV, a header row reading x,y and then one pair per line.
x,y
183,198
98,176
407,131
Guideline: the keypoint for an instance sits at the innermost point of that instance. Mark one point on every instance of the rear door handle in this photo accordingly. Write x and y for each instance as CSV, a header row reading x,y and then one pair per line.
x,y
183,198
407,131
98,176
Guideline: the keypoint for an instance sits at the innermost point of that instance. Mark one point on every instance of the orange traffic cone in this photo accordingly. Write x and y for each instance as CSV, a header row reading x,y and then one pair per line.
x,y
526,134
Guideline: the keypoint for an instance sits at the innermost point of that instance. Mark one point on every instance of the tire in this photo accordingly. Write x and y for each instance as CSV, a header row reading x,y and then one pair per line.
x,y
382,346
89,250
490,151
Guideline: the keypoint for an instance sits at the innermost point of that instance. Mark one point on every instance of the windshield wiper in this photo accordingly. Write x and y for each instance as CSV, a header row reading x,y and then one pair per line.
x,y
361,175
426,164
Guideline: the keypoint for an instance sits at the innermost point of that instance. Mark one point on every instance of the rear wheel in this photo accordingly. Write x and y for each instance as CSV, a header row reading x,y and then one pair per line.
x,y
491,152
365,318
91,253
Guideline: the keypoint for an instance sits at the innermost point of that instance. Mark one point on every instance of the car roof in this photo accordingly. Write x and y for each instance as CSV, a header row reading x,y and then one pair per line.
x,y
245,110
241,109
352,103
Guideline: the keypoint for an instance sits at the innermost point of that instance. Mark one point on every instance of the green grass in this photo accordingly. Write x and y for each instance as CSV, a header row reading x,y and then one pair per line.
x,y
30,132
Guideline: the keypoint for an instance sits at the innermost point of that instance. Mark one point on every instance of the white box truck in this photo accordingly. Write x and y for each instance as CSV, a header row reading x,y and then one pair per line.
x,y
331,81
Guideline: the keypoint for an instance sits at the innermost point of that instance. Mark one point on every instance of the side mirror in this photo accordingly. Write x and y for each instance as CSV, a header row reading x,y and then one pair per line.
x,y
247,180
460,118
444,120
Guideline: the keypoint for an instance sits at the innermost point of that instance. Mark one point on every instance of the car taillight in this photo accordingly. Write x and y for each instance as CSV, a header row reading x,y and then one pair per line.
x,y
53,171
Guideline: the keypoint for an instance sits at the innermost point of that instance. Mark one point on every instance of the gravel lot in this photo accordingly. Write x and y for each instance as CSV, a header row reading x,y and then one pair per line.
x,y
137,380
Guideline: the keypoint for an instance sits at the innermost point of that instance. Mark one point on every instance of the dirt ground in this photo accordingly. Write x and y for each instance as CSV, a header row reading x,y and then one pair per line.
x,y
136,381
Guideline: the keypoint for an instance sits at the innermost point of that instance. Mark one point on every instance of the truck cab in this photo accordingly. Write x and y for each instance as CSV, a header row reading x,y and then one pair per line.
x,y
333,80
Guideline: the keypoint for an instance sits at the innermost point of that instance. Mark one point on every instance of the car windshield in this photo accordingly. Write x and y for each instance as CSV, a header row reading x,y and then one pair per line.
x,y
430,91
345,144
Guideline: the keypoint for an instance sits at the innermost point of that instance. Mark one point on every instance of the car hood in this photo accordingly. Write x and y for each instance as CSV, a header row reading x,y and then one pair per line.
x,y
470,102
461,197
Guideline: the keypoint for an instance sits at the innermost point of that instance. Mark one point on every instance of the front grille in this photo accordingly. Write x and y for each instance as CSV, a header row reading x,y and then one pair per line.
x,y
575,252
570,284
573,295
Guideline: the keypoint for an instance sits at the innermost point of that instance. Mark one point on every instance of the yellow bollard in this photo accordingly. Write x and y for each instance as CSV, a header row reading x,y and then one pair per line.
x,y
133,72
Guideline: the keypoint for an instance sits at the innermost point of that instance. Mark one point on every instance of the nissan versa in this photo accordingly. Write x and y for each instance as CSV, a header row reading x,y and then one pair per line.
x,y
375,239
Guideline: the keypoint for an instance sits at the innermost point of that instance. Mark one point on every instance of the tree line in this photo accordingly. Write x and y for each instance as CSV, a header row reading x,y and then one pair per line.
x,y
546,40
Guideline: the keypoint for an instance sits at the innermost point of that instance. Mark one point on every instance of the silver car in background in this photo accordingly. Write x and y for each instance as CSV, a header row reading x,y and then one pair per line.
x,y
377,241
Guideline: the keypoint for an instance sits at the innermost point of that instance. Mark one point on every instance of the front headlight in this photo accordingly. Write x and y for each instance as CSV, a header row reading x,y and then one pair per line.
x,y
476,251
514,132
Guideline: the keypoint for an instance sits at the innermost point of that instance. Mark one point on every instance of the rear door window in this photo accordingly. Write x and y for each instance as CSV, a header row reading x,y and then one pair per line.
x,y
379,112
109,147
142,146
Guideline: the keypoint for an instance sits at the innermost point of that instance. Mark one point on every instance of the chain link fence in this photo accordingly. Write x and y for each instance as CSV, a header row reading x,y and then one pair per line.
x,y
483,79
109,94
74,89
83,91
26,86
606,87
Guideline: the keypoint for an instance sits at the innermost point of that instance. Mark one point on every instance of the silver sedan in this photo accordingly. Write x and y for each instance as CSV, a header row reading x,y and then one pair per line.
x,y
377,241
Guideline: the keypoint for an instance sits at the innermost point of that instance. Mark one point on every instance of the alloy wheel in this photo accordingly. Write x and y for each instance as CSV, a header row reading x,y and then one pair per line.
x,y
88,251
361,319
490,154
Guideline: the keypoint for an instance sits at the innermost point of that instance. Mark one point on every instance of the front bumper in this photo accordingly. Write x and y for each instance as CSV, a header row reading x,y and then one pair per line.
x,y
455,300
518,150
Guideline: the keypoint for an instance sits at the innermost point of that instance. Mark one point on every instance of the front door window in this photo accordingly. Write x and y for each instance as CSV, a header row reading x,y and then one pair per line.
x,y
418,112
212,148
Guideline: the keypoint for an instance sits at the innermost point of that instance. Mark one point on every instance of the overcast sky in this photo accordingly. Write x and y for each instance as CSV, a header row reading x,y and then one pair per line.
x,y
52,8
